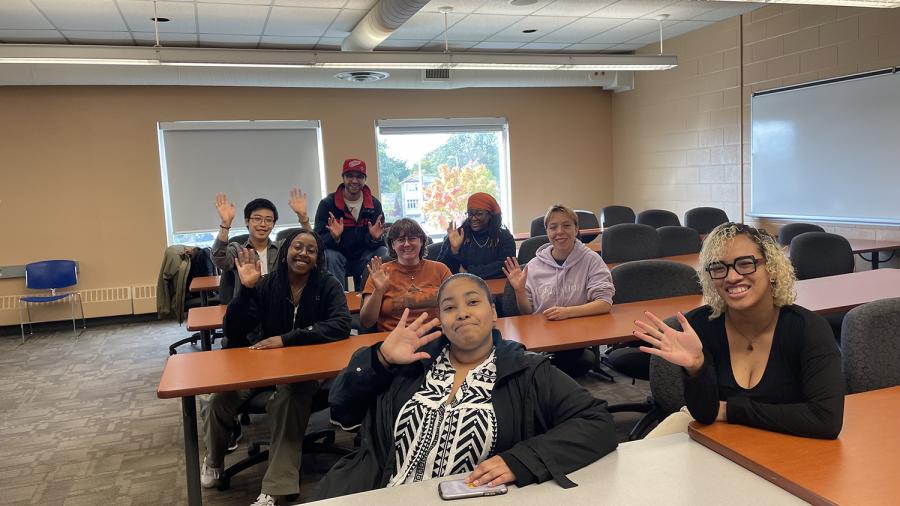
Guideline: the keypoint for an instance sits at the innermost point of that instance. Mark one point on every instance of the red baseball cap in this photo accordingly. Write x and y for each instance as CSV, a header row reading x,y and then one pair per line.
x,y
354,165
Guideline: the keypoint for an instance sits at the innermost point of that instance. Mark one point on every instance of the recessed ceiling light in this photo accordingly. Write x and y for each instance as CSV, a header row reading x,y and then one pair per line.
x,y
520,3
530,30
362,76
160,20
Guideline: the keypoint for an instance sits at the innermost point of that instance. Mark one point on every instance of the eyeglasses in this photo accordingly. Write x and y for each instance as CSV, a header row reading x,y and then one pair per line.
x,y
482,215
741,265
411,239
355,175
259,220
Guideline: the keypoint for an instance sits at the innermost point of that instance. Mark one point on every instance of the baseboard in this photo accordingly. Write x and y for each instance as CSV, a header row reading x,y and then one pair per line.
x,y
98,303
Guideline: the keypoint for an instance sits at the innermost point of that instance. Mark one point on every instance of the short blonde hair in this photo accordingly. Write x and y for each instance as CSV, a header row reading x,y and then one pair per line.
x,y
781,271
559,208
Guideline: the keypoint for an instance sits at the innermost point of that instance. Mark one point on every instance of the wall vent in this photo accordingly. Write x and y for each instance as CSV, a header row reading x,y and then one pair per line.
x,y
435,75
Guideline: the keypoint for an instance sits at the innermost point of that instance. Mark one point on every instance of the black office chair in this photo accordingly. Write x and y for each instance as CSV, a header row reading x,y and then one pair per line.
x,y
678,241
614,215
820,254
537,227
791,230
869,348
658,218
704,219
313,442
355,323
432,250
629,241
284,233
587,219
529,248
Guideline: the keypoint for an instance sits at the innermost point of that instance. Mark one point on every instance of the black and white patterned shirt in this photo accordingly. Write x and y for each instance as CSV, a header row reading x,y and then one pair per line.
x,y
433,438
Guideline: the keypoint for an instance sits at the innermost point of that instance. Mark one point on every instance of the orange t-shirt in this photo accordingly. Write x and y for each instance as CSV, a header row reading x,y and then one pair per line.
x,y
414,287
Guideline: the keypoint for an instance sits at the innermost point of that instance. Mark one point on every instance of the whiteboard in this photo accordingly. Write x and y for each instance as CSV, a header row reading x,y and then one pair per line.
x,y
828,151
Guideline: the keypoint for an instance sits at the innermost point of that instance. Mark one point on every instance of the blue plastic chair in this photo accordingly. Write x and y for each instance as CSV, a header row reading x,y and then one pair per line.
x,y
51,275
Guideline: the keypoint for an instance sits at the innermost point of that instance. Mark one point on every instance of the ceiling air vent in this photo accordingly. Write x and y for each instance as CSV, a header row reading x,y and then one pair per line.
x,y
362,76
435,75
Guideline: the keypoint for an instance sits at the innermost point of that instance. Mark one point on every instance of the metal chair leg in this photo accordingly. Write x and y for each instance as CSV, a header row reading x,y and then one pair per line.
x,y
83,320
22,321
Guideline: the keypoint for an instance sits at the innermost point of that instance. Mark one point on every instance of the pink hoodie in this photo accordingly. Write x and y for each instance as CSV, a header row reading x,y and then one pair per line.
x,y
582,278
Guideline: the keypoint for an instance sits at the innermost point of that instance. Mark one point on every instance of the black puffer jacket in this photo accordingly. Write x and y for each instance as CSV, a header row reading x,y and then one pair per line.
x,y
547,425
356,238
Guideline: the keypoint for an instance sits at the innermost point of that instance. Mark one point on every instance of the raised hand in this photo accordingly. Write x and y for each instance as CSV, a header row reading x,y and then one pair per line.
x,y
248,267
378,274
678,347
376,230
225,209
515,274
335,226
491,472
557,313
402,344
455,236
298,204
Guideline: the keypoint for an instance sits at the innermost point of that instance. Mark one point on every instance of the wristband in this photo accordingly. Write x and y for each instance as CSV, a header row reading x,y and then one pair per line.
x,y
381,354
223,226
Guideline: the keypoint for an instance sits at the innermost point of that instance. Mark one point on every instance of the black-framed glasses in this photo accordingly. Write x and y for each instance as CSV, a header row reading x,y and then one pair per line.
x,y
477,213
259,220
741,265
411,239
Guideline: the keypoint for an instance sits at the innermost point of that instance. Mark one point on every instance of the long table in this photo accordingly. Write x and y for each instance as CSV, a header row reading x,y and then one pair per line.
x,y
187,375
860,467
860,246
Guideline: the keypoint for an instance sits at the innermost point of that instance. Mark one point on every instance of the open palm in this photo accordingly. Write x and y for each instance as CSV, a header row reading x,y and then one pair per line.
x,y
515,274
403,343
378,274
248,267
678,347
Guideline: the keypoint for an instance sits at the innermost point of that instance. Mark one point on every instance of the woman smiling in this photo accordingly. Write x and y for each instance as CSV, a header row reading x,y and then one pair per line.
x,y
481,244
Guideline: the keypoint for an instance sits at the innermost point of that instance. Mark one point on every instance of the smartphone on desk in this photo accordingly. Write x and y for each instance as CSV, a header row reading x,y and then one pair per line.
x,y
459,489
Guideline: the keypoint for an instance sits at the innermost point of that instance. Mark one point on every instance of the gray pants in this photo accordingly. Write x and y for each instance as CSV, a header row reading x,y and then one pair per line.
x,y
288,411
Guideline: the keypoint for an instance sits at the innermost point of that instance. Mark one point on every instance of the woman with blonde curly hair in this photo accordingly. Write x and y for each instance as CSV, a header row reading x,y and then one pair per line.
x,y
751,356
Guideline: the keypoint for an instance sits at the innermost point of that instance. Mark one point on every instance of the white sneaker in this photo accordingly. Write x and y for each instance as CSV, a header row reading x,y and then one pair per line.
x,y
209,476
264,500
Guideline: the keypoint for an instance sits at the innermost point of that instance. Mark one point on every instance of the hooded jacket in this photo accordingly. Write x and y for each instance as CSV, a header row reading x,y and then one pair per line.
x,y
355,239
172,283
547,425
582,278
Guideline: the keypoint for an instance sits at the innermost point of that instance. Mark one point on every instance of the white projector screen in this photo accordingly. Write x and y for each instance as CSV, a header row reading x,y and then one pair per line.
x,y
828,151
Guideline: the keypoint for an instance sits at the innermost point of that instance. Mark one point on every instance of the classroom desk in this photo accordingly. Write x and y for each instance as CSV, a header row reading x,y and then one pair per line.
x,y
860,246
860,467
670,470
204,285
205,319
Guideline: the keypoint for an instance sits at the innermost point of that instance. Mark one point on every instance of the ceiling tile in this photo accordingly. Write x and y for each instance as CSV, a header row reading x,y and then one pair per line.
x,y
344,23
580,30
32,36
329,43
93,15
478,27
425,25
625,32
21,15
231,19
589,47
728,10
573,7
360,4
504,7
111,38
681,27
299,21
631,8
243,2
438,45
322,4
271,42
166,39
459,6
543,47
685,9
497,46
138,14
543,24
219,40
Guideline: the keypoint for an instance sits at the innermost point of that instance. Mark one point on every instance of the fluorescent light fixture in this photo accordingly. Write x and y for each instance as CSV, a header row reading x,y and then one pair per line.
x,y
369,60
884,4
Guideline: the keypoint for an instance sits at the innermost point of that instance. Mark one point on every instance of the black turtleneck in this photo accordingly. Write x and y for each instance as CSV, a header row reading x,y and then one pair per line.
x,y
479,257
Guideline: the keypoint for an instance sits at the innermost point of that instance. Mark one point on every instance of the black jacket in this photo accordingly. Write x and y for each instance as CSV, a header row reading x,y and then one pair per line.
x,y
547,425
355,239
257,313
486,263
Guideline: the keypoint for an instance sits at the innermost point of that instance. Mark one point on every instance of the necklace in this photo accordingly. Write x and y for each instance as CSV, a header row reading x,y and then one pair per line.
x,y
480,245
412,273
750,341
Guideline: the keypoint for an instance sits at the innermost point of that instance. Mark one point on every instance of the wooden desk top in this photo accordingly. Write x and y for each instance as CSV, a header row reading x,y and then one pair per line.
x,y
205,318
868,245
860,467
204,284
834,294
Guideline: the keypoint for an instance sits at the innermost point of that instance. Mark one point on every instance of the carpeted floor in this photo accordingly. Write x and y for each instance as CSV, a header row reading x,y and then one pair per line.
x,y
80,423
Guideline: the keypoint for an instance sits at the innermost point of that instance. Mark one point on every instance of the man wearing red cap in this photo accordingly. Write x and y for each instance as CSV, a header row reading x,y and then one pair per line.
x,y
350,222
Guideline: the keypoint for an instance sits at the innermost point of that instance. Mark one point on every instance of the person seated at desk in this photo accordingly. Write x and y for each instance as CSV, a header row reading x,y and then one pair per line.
x,y
751,356
481,243
351,223
565,279
410,281
298,303
260,216
431,405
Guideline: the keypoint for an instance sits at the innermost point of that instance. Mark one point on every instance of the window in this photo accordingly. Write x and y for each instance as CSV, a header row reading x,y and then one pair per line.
x,y
245,160
441,162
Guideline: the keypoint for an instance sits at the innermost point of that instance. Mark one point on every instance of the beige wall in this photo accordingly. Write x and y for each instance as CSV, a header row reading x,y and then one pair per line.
x,y
81,174
678,136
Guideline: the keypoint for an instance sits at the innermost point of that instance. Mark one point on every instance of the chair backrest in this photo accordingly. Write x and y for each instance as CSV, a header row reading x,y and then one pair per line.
x,y
658,218
869,346
704,219
666,383
432,250
228,279
820,254
678,241
529,248
537,227
508,304
629,241
284,233
51,274
614,215
587,219
791,230
653,279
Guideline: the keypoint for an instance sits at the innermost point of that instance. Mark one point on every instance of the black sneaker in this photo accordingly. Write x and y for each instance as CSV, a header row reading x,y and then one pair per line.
x,y
236,435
